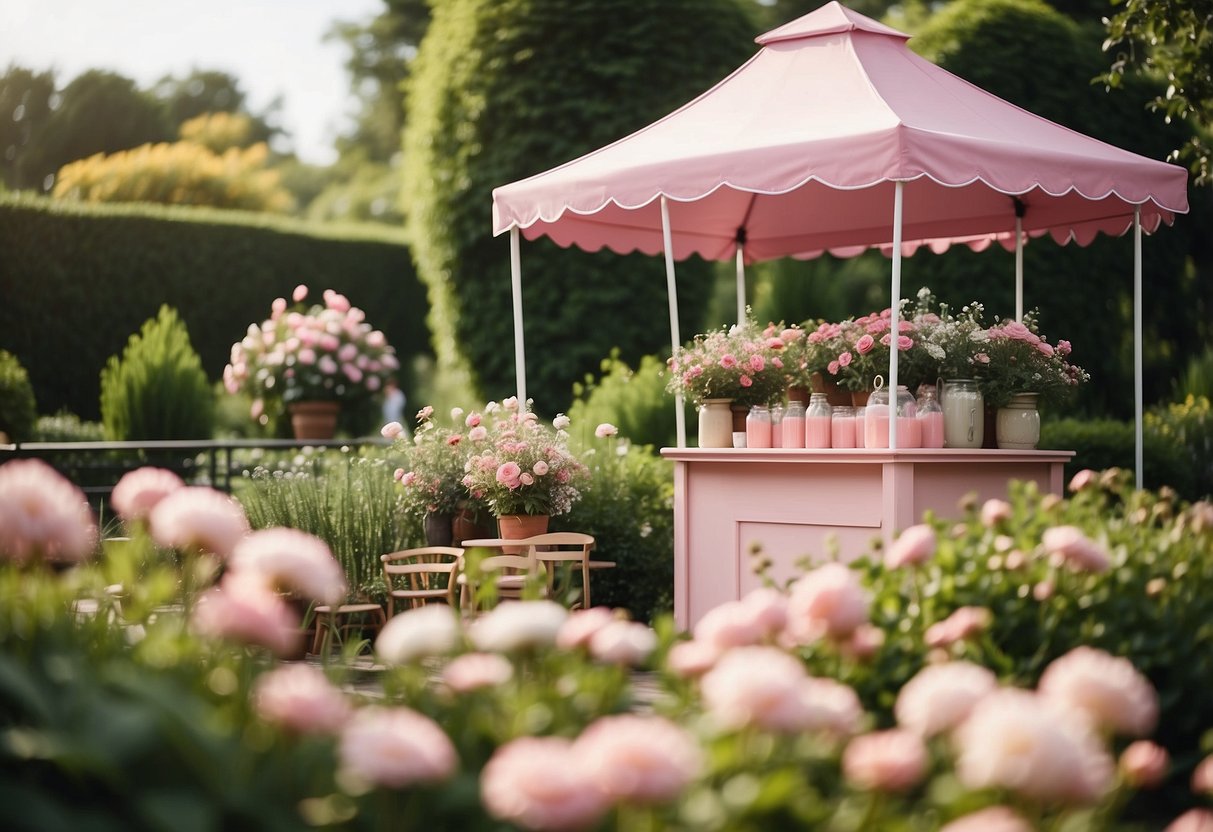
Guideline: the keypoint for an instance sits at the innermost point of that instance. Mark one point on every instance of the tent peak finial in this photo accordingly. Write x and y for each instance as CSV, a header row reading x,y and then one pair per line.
x,y
832,18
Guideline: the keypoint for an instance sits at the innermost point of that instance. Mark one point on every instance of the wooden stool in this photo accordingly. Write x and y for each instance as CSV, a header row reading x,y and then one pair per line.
x,y
340,620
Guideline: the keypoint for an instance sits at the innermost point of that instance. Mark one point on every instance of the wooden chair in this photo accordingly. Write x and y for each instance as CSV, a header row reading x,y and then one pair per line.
x,y
564,548
428,573
343,619
511,574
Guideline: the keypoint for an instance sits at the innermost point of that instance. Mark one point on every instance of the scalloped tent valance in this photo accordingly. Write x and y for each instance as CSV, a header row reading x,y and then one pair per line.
x,y
798,150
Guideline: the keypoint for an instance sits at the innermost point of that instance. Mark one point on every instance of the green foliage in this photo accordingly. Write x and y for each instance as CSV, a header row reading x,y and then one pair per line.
x,y
628,508
158,390
556,79
18,408
351,503
67,427
635,401
1152,606
76,280
990,43
1189,424
1197,380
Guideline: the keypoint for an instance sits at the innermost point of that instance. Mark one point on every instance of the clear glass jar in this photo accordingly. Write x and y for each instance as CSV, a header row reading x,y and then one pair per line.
x,y
964,413
776,426
758,427
793,425
876,419
817,422
930,417
842,427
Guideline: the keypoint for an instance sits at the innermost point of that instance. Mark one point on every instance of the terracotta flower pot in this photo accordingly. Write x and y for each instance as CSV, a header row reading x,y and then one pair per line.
x,y
520,527
314,420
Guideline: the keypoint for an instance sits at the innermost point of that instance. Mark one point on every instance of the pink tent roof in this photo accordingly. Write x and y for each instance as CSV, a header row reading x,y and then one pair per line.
x,y
801,145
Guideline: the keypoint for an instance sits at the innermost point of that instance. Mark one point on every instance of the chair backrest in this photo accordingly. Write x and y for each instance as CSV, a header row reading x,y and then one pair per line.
x,y
423,568
500,576
560,546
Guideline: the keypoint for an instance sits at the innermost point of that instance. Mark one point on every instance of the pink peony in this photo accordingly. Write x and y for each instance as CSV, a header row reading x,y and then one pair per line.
x,y
540,468
541,783
395,748
1064,347
605,429
941,696
1084,479
301,699
886,761
961,625
759,687
581,625
728,361
623,642
1107,688
291,559
428,630
864,643
137,493
391,430
42,514
993,819
1193,820
829,601
508,473
912,547
1014,740
691,658
518,625
478,434
756,618
994,512
745,381
639,759
865,344
473,671
1076,548
248,612
756,363
1144,764
832,368
844,360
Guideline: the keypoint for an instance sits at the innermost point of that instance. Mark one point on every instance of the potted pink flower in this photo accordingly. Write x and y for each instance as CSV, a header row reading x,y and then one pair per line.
x,y
309,360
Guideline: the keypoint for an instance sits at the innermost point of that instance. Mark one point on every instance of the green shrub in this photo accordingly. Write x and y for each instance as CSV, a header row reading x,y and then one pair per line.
x,y
629,509
635,401
18,410
77,279
67,427
1197,379
1189,424
158,390
1108,443
351,503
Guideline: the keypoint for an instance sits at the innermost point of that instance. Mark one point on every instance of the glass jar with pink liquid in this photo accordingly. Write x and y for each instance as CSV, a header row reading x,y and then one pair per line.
x,y
777,426
793,425
842,427
930,417
817,422
758,427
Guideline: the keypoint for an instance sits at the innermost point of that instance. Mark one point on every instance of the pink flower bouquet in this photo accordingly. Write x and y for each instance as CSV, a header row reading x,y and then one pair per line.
x,y
742,363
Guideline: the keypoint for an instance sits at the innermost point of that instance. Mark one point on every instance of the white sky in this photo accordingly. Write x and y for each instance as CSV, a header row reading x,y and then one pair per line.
x,y
271,46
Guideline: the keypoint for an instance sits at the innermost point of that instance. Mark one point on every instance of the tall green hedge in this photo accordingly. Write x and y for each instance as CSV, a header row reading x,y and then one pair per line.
x,y
503,89
76,281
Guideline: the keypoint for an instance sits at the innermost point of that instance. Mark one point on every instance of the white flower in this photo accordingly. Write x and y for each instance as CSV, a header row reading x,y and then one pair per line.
x,y
561,421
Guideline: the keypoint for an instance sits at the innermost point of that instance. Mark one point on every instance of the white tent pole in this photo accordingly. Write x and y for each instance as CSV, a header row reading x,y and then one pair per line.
x,y
1139,455
895,318
740,282
516,283
680,418
1019,268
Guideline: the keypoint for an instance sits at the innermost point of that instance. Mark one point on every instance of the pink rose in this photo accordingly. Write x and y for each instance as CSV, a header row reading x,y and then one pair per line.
x,y
1144,764
829,601
941,696
728,361
777,363
526,478
904,342
757,363
1107,688
756,618
1064,347
425,413
791,336
472,420
42,514
886,761
541,783
398,475
1044,348
195,517
1076,548
639,759
1084,479
473,671
409,478
914,546
981,358
865,344
961,625
690,659
394,748
561,422
1193,820
453,440
1017,331
832,368
581,625
246,611
138,492
478,433
994,512
759,687
300,698
391,430
745,381
844,360
540,468
508,473
623,642
289,558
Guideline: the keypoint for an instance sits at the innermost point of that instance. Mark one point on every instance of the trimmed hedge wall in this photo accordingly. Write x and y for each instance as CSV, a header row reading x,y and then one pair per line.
x,y
76,281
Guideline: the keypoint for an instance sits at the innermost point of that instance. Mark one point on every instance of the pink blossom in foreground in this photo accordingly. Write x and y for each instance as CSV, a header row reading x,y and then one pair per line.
x,y
561,422
395,748
198,518
994,512
1014,740
993,819
391,430
1107,688
760,687
137,493
829,601
962,625
42,514
1193,820
1202,776
518,625
294,560
581,625
913,546
605,429
623,642
690,659
864,643
639,759
473,671
1144,764
1083,480
541,783
246,611
887,761
941,696
300,698
756,618
428,630
1076,548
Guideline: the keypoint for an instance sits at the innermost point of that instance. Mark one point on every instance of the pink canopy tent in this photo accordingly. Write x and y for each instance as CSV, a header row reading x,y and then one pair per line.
x,y
836,137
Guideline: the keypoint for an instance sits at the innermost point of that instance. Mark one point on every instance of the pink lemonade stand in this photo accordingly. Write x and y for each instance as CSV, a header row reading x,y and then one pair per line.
x,y
834,137
796,504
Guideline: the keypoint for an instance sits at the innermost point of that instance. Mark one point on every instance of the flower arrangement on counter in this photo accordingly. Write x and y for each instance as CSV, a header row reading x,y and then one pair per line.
x,y
742,363
322,352
1021,360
